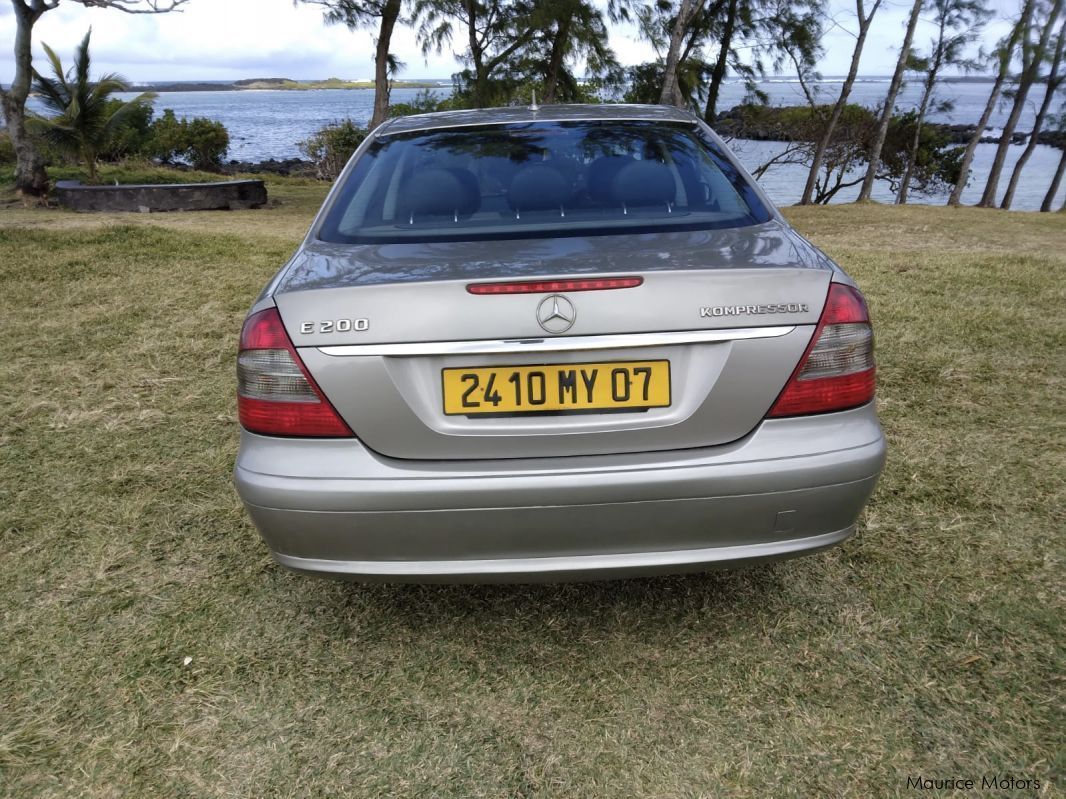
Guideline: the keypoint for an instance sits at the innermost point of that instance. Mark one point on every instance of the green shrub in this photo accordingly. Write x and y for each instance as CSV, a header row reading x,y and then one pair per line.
x,y
201,143
425,102
167,141
330,148
207,142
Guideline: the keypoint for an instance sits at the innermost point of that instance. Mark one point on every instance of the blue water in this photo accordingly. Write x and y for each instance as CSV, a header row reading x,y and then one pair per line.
x,y
269,124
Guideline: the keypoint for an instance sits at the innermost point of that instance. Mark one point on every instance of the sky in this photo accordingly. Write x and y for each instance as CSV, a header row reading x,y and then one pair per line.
x,y
234,39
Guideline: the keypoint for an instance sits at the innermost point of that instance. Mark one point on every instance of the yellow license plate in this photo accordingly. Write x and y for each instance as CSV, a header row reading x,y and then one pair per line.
x,y
552,388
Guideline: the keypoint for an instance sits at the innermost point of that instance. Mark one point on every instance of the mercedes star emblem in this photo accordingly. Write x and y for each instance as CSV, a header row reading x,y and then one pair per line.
x,y
556,313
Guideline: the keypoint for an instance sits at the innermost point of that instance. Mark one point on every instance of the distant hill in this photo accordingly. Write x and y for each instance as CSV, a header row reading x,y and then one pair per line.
x,y
276,84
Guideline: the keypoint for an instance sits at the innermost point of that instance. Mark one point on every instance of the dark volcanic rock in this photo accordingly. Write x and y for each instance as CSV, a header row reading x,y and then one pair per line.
x,y
296,167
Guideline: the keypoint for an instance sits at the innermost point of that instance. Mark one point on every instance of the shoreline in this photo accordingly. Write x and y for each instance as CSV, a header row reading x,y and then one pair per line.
x,y
274,84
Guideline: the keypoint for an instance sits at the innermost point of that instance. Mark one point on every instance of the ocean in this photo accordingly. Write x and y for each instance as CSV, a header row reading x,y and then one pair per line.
x,y
269,124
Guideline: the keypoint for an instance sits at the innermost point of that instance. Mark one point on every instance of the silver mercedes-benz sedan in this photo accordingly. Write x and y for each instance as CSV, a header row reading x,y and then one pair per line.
x,y
553,343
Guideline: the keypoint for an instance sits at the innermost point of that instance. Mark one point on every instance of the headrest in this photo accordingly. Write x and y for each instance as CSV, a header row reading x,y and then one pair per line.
x,y
601,174
538,187
643,183
438,192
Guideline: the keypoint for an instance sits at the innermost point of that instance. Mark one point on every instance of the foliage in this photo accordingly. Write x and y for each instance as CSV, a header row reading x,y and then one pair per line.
x,y
84,117
7,149
495,33
645,82
570,32
331,147
936,159
515,47
729,37
133,135
167,142
208,142
425,102
936,164
199,142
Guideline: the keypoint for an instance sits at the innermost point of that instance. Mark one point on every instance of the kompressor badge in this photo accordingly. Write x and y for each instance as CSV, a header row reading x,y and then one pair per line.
x,y
753,310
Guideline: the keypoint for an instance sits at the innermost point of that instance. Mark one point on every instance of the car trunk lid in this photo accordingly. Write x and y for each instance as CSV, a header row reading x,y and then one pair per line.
x,y
724,315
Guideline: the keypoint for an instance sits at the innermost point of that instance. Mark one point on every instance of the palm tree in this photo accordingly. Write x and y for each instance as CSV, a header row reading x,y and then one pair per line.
x,y
83,120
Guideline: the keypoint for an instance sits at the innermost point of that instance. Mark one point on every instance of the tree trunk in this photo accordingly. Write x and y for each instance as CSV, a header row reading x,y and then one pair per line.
x,y
476,54
1053,82
31,180
1004,69
555,61
390,12
718,72
912,154
842,100
1056,181
670,94
1029,76
89,157
874,160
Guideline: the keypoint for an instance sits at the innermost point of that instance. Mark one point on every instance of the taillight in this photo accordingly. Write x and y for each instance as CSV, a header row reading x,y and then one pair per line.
x,y
837,371
549,286
275,394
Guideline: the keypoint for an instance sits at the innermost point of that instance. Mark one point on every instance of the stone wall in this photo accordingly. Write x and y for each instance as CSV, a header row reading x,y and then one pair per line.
x,y
227,195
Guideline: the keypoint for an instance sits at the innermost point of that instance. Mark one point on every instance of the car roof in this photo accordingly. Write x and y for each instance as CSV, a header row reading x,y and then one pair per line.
x,y
544,113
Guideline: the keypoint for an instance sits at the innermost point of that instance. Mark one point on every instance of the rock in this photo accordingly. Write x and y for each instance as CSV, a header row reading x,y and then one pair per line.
x,y
289,166
145,198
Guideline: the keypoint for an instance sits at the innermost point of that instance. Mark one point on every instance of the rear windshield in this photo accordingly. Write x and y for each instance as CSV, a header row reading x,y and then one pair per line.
x,y
539,179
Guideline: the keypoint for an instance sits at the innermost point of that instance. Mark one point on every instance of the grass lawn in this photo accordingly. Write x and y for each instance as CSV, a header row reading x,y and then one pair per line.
x,y
151,648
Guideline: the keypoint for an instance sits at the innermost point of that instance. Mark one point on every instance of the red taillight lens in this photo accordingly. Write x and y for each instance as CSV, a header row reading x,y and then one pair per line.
x,y
275,394
550,286
837,371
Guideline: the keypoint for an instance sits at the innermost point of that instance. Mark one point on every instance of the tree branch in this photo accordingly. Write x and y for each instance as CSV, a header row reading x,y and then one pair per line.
x,y
131,6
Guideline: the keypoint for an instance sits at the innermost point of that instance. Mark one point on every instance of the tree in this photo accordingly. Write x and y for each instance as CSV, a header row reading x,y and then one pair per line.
x,y
84,119
684,82
864,19
681,28
874,161
1052,84
801,47
1034,53
747,31
1056,181
645,82
936,163
1059,124
495,31
330,148
30,176
568,30
200,142
958,24
134,133
1003,54
357,14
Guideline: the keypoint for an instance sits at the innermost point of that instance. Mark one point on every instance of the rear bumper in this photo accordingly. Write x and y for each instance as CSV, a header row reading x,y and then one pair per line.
x,y
792,486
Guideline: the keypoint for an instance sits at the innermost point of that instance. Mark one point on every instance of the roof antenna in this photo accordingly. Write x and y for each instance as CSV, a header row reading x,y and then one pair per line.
x,y
533,102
